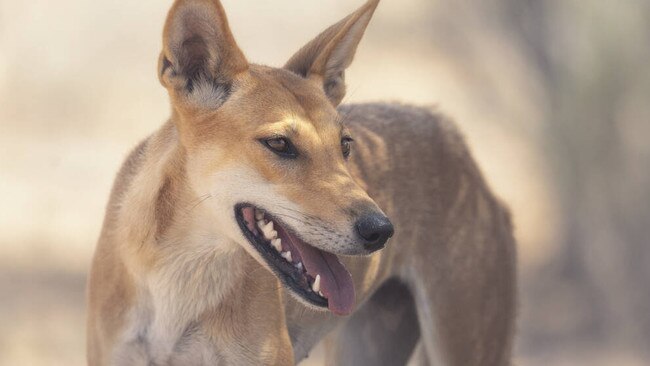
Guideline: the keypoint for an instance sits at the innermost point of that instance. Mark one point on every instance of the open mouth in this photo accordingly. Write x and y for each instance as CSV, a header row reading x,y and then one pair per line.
x,y
316,276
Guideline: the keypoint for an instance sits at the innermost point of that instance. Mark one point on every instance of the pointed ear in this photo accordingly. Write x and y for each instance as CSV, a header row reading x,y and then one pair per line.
x,y
327,56
200,57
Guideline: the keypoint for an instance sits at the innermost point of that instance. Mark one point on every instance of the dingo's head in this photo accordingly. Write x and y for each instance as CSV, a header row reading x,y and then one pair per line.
x,y
269,149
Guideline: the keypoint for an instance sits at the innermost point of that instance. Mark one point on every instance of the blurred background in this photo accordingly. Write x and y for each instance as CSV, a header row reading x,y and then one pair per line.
x,y
553,96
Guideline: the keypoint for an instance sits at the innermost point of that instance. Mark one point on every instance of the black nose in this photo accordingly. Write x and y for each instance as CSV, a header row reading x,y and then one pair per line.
x,y
374,229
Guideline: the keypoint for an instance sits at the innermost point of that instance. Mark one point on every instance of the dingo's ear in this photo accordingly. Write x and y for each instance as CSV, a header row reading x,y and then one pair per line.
x,y
327,56
200,57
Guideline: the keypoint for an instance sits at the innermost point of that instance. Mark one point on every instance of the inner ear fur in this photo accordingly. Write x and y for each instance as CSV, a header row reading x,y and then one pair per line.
x,y
326,57
200,57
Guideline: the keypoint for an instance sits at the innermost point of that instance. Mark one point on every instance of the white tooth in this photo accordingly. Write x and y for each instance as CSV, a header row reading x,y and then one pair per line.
x,y
299,266
261,223
316,285
259,214
286,255
277,244
270,235
321,294
269,226
268,231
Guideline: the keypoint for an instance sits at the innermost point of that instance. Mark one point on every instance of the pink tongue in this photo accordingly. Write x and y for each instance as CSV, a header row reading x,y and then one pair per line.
x,y
335,281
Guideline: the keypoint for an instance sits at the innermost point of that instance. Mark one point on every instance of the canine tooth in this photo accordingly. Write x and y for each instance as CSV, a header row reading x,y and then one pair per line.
x,y
261,223
286,255
277,244
316,285
321,294
259,215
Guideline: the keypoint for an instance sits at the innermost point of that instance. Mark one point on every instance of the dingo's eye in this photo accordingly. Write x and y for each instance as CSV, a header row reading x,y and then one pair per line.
x,y
346,145
281,146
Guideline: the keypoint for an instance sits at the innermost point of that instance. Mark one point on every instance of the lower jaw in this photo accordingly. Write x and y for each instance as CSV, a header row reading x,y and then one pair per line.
x,y
295,280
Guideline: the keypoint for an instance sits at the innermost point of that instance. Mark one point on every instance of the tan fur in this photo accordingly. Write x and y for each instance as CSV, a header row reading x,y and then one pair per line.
x,y
174,281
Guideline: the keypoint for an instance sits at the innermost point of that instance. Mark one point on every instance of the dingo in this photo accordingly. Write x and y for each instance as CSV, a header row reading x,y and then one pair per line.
x,y
249,226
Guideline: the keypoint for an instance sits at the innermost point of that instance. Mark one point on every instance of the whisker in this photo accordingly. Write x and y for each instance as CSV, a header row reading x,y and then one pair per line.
x,y
346,116
201,200
195,203
348,95
301,220
321,230
299,212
